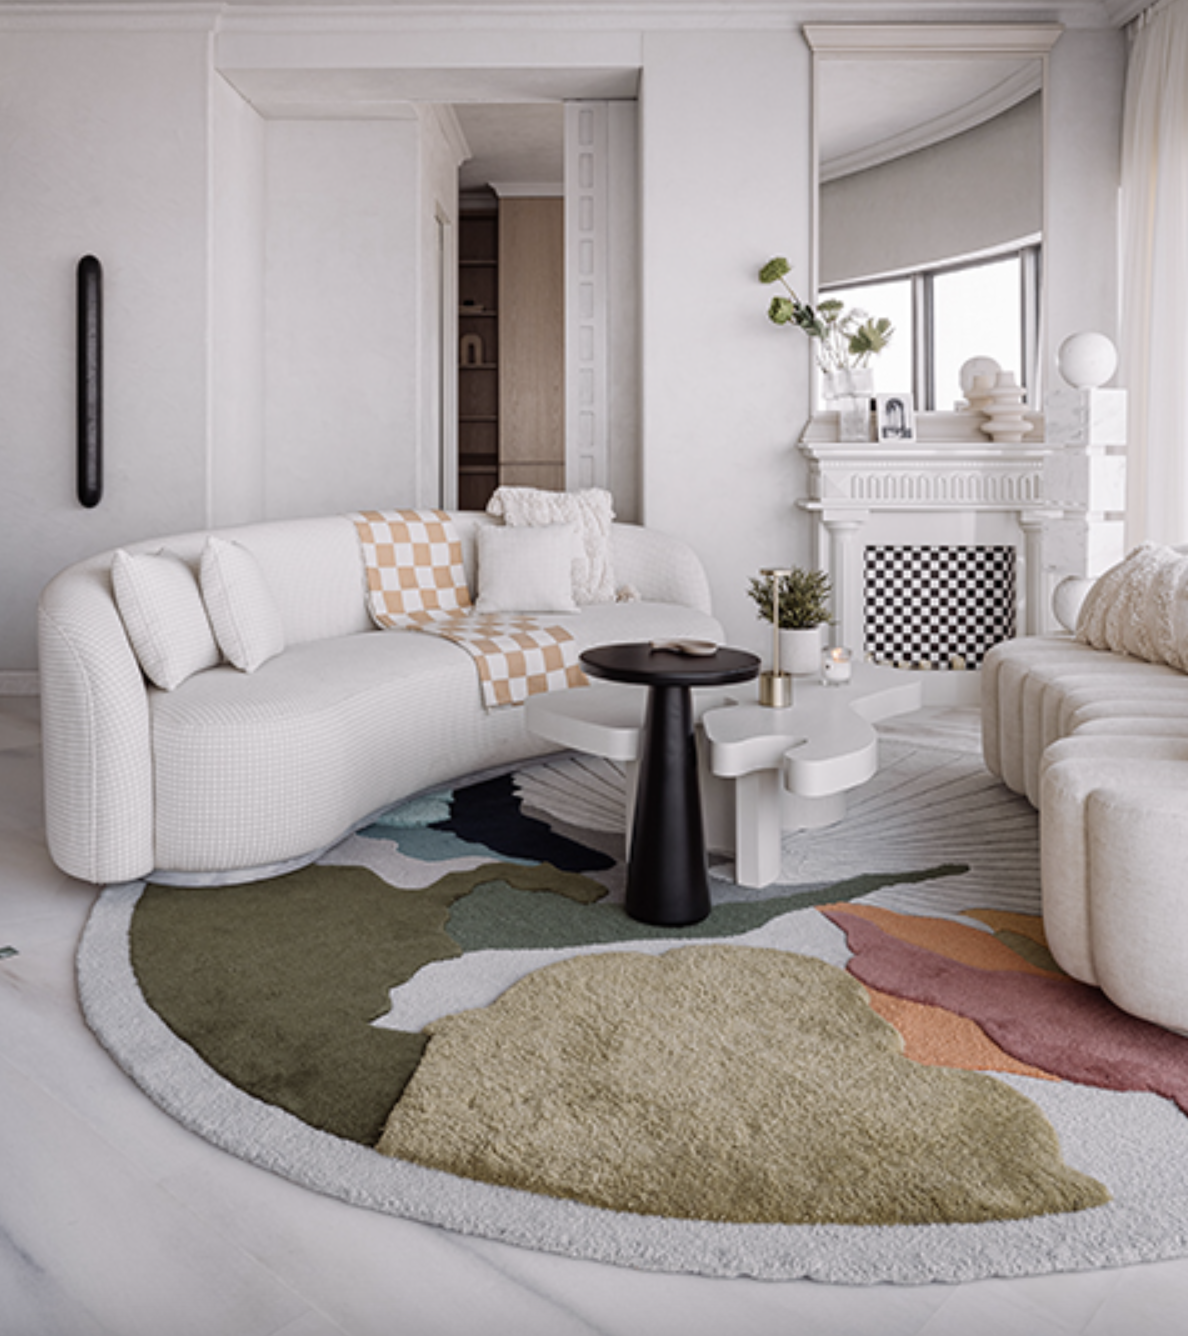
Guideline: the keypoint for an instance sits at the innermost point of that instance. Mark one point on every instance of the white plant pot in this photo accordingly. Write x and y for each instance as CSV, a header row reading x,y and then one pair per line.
x,y
800,651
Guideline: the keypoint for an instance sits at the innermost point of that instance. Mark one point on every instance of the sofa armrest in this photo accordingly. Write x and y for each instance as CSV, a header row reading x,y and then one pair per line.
x,y
661,568
97,754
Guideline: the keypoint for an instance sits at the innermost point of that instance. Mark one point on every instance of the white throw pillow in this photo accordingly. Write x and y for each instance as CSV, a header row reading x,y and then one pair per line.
x,y
159,601
591,513
525,570
242,610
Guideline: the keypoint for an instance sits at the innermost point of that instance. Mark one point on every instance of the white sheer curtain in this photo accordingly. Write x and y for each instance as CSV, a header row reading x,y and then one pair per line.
x,y
1155,274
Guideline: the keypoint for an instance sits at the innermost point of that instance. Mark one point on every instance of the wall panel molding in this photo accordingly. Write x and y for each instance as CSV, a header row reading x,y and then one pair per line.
x,y
587,436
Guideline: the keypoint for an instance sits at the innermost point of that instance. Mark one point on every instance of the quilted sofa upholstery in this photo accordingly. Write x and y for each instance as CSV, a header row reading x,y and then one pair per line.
x,y
235,774
1098,742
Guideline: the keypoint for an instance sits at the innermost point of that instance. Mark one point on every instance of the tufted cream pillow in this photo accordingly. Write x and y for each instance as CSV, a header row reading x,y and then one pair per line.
x,y
1140,607
162,610
246,621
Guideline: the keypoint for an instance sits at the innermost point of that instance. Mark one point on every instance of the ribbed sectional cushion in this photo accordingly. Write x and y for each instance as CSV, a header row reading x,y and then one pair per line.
x,y
287,760
1039,689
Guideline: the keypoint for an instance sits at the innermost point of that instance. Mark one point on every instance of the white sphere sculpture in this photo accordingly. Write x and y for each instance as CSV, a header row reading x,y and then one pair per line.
x,y
1087,360
977,366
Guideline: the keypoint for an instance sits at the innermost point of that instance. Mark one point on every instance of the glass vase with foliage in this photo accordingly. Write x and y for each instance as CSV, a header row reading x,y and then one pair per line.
x,y
846,340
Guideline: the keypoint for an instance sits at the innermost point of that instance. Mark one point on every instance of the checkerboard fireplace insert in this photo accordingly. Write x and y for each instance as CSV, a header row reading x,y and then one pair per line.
x,y
937,607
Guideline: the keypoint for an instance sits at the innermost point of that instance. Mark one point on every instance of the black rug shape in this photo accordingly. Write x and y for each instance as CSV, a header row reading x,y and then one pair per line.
x,y
489,813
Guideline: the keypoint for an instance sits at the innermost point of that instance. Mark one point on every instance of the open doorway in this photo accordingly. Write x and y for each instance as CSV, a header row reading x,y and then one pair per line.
x,y
511,294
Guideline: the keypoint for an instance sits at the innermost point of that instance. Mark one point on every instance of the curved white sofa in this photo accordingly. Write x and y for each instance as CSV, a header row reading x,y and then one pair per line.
x,y
1098,742
233,774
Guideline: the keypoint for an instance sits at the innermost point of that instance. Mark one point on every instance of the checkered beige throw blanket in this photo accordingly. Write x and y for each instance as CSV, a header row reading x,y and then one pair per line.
x,y
416,582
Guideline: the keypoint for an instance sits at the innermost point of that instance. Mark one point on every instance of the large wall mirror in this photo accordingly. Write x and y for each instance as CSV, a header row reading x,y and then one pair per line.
x,y
929,180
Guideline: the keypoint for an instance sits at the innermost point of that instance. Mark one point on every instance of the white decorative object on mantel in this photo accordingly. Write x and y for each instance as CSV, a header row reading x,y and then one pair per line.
x,y
978,377
951,486
1006,417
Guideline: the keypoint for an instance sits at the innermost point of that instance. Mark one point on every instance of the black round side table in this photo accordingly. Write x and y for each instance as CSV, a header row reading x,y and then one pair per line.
x,y
667,870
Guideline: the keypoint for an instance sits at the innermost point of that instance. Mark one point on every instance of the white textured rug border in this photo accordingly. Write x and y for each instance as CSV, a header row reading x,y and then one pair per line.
x,y
1101,1133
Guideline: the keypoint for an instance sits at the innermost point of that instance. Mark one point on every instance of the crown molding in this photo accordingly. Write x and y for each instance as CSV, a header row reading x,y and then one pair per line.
x,y
131,15
251,16
529,189
446,119
932,39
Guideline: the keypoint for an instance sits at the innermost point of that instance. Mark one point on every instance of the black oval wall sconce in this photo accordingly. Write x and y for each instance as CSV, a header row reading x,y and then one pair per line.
x,y
90,381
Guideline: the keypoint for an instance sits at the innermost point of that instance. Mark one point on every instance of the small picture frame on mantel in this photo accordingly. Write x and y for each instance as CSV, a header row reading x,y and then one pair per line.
x,y
895,417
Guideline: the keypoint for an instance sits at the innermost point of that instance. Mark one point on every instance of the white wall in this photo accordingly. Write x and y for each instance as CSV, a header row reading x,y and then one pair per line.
x,y
342,315
725,176
237,476
103,145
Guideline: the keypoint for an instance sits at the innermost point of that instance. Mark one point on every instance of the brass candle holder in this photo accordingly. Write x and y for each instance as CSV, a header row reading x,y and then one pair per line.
x,y
775,687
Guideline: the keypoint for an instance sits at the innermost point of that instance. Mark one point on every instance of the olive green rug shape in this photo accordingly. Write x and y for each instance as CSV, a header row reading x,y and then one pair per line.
x,y
722,1083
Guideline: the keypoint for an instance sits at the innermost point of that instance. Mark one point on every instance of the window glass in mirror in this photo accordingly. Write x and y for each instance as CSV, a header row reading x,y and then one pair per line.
x,y
891,298
977,312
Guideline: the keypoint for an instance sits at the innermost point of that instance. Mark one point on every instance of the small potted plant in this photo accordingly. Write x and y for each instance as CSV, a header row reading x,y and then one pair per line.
x,y
803,610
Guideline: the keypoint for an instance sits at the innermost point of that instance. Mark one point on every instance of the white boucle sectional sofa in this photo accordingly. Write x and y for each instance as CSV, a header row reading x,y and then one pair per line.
x,y
233,772
1097,739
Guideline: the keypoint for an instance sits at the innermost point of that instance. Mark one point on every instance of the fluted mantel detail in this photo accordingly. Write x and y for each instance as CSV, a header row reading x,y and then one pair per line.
x,y
952,466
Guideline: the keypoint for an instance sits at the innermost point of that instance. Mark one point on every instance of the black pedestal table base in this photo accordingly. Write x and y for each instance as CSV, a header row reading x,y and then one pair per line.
x,y
667,869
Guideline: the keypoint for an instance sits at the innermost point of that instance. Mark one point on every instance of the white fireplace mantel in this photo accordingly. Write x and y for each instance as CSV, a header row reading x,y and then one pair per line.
x,y
916,489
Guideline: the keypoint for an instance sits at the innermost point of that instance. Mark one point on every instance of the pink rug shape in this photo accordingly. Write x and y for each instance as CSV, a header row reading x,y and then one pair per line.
x,y
1057,1024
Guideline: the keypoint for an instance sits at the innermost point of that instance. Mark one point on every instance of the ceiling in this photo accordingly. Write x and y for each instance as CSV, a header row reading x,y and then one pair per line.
x,y
513,142
919,102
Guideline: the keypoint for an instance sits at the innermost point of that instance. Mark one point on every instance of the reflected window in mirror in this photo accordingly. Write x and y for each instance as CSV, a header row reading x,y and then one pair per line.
x,y
891,297
984,306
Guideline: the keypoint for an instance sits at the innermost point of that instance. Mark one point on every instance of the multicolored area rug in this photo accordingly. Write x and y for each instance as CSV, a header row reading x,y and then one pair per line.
x,y
870,1071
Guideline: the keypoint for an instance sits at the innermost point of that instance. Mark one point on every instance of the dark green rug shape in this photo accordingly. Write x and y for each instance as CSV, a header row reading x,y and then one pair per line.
x,y
275,983
500,917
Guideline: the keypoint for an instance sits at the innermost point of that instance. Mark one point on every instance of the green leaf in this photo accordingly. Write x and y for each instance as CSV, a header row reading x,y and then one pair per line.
x,y
774,269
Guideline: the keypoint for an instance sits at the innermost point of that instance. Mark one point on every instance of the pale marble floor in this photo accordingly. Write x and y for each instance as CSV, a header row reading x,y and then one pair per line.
x,y
113,1219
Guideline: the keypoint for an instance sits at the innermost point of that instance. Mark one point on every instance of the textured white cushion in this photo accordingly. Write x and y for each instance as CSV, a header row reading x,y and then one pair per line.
x,y
240,605
1140,607
162,610
590,512
525,570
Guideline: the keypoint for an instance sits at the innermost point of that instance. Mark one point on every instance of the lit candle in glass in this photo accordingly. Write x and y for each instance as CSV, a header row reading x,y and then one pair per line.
x,y
836,666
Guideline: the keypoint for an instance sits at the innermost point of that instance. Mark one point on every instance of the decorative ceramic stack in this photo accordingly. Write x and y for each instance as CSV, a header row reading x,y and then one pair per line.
x,y
1005,419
